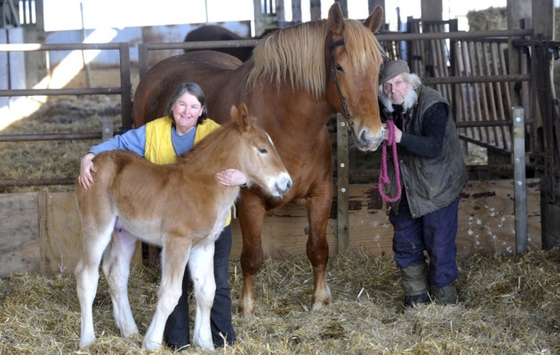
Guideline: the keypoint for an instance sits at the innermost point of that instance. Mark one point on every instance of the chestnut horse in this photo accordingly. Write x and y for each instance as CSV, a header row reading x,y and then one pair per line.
x,y
180,207
297,78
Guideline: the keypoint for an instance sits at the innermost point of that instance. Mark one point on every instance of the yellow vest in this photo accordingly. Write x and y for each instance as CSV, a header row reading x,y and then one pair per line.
x,y
159,148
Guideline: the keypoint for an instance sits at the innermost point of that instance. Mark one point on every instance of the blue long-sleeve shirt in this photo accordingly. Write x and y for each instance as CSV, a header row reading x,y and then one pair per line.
x,y
134,140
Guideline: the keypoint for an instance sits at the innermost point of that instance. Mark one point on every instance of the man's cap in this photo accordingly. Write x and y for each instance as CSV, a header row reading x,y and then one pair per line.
x,y
391,69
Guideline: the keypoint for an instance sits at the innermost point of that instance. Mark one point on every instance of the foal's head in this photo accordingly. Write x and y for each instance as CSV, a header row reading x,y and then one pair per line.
x,y
255,153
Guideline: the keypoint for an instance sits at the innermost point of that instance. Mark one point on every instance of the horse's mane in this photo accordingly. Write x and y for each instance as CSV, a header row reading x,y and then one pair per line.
x,y
296,54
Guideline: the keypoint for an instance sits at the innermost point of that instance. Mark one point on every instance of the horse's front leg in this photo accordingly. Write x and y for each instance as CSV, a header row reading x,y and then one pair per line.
x,y
251,217
201,266
174,256
318,210
116,266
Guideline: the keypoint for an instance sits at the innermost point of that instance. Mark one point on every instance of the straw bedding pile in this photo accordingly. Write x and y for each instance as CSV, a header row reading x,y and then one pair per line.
x,y
509,305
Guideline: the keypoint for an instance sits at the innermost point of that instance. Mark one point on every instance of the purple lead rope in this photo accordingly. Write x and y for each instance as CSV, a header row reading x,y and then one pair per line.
x,y
383,173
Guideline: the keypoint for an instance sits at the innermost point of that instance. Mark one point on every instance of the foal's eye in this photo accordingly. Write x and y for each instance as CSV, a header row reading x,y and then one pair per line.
x,y
338,67
263,151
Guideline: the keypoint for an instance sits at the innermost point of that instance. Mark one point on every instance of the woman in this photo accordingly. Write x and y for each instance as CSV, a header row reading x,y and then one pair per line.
x,y
160,141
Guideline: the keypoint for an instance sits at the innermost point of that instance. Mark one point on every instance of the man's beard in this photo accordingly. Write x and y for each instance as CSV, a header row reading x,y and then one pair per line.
x,y
409,100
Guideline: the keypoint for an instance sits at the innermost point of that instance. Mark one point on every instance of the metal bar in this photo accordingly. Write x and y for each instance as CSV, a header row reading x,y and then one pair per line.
x,y
126,87
452,35
60,92
202,44
48,137
28,47
37,182
483,123
520,184
143,59
485,145
476,79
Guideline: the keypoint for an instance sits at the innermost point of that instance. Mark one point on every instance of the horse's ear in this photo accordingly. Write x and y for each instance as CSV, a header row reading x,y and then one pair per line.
x,y
375,19
241,114
336,19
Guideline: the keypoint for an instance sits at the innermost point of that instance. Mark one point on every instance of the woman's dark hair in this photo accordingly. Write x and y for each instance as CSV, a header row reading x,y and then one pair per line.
x,y
193,89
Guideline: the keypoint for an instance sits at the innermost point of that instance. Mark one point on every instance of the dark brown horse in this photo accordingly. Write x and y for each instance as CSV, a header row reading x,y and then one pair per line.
x,y
219,33
297,78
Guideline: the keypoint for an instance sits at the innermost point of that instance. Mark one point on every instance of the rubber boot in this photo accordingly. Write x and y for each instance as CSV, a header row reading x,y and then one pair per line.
x,y
445,295
415,285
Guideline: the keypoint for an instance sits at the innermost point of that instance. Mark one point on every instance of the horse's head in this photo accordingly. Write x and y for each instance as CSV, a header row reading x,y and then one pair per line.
x,y
353,61
259,159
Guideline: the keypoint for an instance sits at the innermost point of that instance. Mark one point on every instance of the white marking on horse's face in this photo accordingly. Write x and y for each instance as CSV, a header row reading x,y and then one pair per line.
x,y
270,139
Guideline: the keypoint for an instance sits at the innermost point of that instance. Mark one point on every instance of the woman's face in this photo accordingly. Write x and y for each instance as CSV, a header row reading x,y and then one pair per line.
x,y
396,89
186,111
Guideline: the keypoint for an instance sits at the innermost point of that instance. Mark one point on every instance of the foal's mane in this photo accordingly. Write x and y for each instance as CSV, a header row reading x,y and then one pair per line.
x,y
296,54
213,141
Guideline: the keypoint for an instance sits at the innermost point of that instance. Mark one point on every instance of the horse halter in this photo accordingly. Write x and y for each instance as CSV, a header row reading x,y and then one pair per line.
x,y
349,118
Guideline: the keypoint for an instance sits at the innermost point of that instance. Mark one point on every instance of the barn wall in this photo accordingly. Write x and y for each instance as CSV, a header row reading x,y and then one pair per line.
x,y
40,232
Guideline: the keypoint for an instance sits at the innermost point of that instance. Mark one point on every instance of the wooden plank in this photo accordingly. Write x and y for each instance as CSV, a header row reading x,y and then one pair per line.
x,y
487,218
284,233
61,234
32,228
19,234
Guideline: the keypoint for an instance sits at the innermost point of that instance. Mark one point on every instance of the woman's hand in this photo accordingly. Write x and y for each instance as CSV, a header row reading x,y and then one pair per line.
x,y
86,167
231,177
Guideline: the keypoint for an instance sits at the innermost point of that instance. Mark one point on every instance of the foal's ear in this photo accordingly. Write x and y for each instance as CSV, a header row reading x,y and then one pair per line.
x,y
375,19
241,114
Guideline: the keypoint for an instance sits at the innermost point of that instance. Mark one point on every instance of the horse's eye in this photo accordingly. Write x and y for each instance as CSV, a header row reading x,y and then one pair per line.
x,y
263,151
338,67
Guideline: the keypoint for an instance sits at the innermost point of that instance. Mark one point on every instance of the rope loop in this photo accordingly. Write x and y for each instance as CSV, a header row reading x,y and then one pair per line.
x,y
383,172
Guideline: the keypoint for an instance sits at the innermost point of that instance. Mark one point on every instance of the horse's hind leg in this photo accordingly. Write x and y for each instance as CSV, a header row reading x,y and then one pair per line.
x,y
95,240
116,267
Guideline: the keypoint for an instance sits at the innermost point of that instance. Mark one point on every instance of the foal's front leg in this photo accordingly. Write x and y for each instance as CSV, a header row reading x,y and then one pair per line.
x,y
174,256
201,266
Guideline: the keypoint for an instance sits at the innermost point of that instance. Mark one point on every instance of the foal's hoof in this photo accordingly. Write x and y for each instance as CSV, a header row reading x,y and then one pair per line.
x,y
86,341
150,345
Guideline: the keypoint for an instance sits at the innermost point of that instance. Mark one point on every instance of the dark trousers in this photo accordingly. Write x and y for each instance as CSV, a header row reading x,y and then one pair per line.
x,y
177,326
434,233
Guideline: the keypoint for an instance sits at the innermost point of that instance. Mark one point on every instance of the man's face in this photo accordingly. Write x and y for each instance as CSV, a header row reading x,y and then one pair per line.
x,y
396,89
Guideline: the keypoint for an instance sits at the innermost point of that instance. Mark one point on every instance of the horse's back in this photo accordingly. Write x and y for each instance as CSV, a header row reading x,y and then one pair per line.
x,y
210,69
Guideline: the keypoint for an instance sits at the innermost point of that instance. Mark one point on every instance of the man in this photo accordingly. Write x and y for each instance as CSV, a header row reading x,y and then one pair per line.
x,y
433,173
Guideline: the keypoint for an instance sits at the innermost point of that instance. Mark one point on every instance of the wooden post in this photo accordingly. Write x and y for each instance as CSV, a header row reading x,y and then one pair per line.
x,y
342,161
519,180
